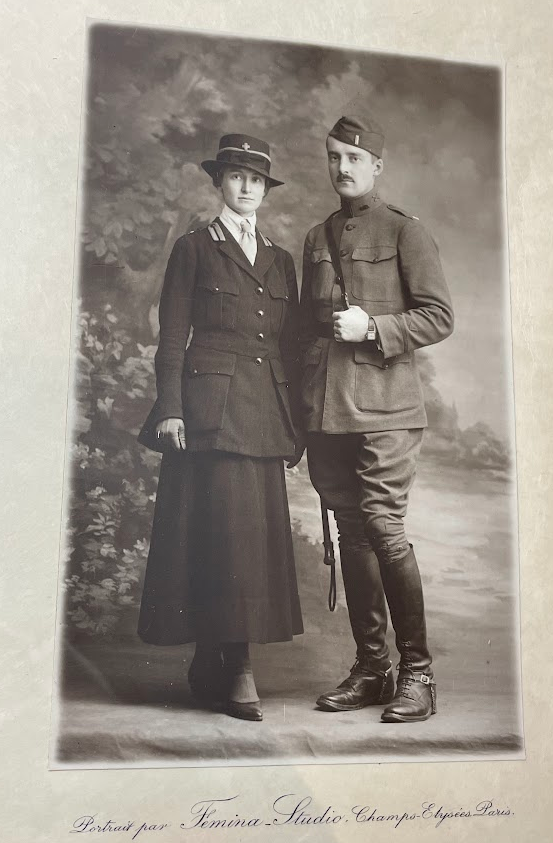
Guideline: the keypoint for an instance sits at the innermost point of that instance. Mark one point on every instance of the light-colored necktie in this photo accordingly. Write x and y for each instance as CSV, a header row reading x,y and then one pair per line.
x,y
247,241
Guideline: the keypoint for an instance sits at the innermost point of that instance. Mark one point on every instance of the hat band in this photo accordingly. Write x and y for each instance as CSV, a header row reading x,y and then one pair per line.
x,y
243,149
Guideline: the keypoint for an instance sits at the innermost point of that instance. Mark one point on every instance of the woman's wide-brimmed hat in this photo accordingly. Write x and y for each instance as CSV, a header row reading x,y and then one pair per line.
x,y
243,151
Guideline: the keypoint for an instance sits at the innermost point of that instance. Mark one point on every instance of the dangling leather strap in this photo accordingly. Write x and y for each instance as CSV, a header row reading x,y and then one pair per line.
x,y
329,557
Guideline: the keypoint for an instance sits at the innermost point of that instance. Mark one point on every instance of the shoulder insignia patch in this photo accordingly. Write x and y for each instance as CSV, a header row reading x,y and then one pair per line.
x,y
402,212
265,239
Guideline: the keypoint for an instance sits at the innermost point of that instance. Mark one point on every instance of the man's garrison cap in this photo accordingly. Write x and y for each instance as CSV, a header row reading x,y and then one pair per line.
x,y
363,132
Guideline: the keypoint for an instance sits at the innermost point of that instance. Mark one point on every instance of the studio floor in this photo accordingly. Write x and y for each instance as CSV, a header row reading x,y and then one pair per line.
x,y
123,703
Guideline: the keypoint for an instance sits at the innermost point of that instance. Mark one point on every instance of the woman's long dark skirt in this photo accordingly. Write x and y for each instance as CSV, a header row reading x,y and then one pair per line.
x,y
221,564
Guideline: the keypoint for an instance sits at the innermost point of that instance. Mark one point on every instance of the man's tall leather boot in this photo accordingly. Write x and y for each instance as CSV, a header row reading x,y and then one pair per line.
x,y
415,697
370,681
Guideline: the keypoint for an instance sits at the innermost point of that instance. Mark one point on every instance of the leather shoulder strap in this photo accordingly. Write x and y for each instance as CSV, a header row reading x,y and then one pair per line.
x,y
335,258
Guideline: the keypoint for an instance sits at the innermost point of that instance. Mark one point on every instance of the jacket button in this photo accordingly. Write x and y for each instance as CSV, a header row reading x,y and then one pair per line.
x,y
386,365
260,336
194,371
261,313
259,290
259,361
216,289
343,253
349,227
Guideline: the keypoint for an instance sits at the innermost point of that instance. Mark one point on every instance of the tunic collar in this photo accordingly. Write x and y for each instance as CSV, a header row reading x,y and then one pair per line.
x,y
361,204
232,221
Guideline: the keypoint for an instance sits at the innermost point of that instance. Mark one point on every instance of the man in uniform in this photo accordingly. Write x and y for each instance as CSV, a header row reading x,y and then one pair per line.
x,y
373,292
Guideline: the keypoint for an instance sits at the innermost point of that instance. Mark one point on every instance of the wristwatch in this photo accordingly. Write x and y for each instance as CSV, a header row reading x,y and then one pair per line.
x,y
371,333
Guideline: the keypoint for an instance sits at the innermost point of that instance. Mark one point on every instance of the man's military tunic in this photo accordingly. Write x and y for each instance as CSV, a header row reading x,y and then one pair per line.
x,y
369,392
392,271
221,564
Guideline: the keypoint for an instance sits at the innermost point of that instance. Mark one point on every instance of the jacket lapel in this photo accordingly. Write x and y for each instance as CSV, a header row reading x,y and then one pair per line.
x,y
264,258
232,250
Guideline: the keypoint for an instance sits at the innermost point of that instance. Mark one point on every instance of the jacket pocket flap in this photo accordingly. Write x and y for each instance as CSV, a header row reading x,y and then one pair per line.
x,y
373,254
278,371
367,354
277,287
207,361
219,285
318,255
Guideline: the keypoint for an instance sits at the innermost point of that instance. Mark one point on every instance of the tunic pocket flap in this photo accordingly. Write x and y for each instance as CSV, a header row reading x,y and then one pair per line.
x,y
277,287
219,285
318,255
372,355
207,361
278,371
374,254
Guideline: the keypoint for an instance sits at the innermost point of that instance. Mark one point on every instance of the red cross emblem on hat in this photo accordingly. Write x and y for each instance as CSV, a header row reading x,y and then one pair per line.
x,y
246,146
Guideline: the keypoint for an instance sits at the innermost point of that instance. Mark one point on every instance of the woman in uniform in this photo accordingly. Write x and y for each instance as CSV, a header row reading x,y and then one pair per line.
x,y
221,569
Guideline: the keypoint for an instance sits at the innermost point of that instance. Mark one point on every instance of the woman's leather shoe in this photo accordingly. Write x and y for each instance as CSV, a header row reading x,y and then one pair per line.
x,y
245,710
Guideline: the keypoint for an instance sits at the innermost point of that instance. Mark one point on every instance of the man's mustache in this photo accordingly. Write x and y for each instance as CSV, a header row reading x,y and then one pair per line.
x,y
344,178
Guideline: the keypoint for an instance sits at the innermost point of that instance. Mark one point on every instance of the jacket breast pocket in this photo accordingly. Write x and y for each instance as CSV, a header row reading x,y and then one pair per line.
x,y
205,388
375,273
216,303
279,299
323,276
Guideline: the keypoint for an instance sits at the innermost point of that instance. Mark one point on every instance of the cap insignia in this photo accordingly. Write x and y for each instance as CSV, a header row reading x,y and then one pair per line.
x,y
246,146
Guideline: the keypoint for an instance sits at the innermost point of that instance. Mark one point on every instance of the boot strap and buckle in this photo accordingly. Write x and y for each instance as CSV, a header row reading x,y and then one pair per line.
x,y
416,676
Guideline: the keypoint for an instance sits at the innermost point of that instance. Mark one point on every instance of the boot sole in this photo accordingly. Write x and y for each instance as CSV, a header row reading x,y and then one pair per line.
x,y
398,718
326,706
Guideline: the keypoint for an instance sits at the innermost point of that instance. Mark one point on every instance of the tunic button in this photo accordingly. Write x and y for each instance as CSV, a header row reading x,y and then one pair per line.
x,y
259,361
261,313
194,371
260,337
349,226
386,366
259,290
216,289
343,253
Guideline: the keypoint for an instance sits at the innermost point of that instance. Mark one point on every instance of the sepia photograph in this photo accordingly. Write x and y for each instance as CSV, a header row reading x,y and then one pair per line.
x,y
290,514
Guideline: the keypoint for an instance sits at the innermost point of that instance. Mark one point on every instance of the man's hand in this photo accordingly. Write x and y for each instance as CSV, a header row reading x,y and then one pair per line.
x,y
170,433
350,325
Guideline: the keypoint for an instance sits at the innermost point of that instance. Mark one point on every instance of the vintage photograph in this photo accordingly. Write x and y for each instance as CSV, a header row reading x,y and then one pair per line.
x,y
290,520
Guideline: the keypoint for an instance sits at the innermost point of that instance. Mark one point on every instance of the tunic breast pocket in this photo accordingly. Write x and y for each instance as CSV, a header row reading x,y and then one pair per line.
x,y
216,303
323,277
375,273
279,298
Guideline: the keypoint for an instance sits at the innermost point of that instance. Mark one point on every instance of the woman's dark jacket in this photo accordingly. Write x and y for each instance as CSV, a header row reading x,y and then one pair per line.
x,y
236,385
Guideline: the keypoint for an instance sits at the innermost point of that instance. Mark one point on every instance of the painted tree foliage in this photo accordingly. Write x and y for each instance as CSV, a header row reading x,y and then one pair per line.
x,y
157,104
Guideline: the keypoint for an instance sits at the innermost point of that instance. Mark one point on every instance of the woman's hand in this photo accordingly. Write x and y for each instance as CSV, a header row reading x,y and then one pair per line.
x,y
170,432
